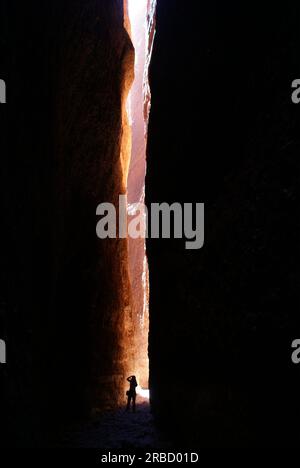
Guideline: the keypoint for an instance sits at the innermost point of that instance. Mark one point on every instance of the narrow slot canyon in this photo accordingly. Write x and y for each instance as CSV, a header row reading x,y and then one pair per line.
x,y
115,428
159,101
139,17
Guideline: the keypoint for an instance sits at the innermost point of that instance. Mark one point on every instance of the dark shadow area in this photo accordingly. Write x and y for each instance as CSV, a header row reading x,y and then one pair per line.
x,y
223,131
119,430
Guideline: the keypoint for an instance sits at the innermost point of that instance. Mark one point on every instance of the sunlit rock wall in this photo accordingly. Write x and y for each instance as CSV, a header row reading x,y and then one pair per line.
x,y
141,17
93,153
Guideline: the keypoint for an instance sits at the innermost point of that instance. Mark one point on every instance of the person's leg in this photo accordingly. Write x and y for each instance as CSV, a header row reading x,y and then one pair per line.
x,y
133,403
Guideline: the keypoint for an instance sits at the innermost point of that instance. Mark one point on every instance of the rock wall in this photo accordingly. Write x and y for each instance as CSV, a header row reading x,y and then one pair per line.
x,y
223,131
65,295
142,18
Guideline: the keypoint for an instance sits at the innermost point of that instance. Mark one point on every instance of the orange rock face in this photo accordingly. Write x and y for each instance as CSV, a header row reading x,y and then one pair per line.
x,y
141,19
93,156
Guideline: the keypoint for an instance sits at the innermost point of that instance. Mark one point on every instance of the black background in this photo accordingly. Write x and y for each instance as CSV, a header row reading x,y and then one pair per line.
x,y
223,131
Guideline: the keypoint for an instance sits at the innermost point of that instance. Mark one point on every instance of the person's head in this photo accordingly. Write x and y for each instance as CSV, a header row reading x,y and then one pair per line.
x,y
133,378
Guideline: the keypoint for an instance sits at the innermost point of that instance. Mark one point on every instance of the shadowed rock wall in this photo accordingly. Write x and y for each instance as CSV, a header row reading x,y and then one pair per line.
x,y
223,131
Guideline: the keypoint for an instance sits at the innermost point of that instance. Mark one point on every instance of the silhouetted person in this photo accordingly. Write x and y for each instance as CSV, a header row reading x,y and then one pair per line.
x,y
131,393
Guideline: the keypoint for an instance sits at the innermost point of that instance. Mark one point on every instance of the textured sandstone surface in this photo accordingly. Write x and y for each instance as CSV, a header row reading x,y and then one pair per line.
x,y
141,30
